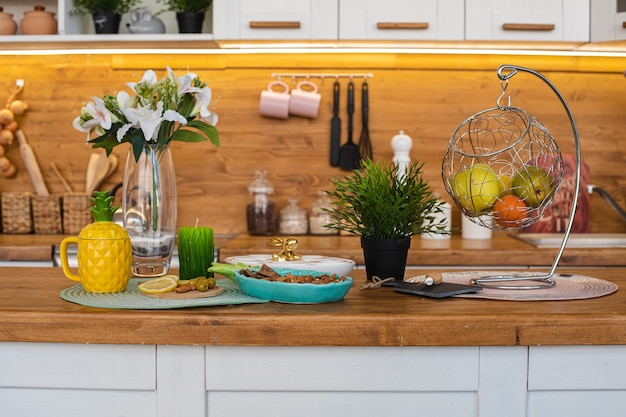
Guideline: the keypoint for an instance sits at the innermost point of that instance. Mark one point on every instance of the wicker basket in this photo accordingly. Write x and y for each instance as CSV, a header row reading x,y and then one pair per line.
x,y
76,214
47,214
16,213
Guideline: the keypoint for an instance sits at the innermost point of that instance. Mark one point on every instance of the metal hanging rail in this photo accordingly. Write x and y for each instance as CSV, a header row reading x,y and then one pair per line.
x,y
321,75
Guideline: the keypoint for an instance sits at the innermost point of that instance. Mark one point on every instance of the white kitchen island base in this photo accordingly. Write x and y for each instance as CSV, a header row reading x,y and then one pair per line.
x,y
78,380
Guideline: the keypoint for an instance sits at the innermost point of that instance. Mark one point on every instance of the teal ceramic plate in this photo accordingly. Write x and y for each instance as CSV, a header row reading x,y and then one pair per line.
x,y
292,292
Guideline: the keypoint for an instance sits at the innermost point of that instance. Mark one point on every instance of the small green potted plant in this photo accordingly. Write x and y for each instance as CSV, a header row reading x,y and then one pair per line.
x,y
385,208
189,13
106,13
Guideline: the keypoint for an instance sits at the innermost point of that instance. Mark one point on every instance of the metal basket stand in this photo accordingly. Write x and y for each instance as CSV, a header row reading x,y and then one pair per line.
x,y
541,280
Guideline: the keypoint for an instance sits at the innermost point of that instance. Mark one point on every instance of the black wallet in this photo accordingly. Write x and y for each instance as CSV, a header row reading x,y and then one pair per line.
x,y
445,289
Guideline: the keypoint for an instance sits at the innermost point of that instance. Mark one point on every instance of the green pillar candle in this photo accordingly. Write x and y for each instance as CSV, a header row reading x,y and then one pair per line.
x,y
195,251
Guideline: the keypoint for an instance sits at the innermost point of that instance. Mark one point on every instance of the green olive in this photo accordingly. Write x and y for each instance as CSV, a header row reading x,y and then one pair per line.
x,y
211,282
202,284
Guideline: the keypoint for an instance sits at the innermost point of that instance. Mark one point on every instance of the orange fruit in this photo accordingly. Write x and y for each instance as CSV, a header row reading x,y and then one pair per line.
x,y
509,211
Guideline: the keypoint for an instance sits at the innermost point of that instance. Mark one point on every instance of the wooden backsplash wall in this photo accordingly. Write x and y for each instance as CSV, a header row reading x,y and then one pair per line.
x,y
426,95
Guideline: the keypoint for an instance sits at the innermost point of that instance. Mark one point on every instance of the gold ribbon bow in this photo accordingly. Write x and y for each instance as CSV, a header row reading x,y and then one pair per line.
x,y
288,244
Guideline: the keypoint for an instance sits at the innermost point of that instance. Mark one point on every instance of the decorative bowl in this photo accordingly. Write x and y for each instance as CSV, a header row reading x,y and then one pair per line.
x,y
325,264
294,292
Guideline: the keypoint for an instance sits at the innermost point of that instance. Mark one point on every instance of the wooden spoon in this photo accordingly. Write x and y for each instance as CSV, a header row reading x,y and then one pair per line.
x,y
112,166
96,171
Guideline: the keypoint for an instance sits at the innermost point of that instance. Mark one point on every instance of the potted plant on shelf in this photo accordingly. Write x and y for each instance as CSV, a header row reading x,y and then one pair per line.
x,y
106,13
385,208
189,13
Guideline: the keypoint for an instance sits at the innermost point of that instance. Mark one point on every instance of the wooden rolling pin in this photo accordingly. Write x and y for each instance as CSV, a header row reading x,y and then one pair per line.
x,y
31,165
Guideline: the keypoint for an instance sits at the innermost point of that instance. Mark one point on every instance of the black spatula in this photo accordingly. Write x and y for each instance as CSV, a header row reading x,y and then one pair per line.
x,y
365,145
349,151
335,127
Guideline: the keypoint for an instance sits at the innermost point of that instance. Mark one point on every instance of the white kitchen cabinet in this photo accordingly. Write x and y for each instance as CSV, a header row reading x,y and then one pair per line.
x,y
608,20
72,380
576,381
530,20
275,19
402,19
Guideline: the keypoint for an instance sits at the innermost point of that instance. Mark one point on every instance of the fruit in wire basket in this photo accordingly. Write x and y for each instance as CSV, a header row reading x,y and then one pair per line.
x,y
509,211
476,188
534,185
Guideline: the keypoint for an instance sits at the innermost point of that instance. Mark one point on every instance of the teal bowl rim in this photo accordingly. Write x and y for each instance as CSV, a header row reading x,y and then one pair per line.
x,y
294,292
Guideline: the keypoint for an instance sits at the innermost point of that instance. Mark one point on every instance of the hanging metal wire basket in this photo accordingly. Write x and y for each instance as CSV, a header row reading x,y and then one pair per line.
x,y
503,165
502,168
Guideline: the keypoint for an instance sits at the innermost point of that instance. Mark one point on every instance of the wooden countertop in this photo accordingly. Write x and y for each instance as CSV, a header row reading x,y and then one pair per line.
x,y
502,249
32,311
28,247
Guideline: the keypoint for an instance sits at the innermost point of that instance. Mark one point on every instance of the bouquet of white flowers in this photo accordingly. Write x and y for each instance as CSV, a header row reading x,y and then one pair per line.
x,y
172,108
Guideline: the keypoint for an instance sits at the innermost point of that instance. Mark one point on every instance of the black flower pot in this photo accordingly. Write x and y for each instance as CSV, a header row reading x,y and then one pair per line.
x,y
190,22
106,22
385,258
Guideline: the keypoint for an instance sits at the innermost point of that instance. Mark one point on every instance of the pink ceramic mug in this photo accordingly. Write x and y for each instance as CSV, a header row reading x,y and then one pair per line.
x,y
275,103
305,102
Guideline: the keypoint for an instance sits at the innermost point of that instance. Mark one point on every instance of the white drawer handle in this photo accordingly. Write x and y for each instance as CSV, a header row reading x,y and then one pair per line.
x,y
274,25
402,25
542,27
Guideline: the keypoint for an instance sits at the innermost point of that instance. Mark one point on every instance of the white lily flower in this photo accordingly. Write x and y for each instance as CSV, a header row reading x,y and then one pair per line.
x,y
124,100
149,77
101,118
183,82
146,119
174,116
203,100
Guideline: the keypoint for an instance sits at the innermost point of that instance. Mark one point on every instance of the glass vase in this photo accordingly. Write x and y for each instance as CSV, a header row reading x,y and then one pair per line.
x,y
149,209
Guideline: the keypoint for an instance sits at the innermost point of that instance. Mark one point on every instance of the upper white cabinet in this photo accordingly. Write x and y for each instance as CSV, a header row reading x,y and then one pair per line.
x,y
275,19
529,20
608,20
402,19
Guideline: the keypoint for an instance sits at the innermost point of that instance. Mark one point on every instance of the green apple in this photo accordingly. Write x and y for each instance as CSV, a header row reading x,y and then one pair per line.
x,y
534,185
476,188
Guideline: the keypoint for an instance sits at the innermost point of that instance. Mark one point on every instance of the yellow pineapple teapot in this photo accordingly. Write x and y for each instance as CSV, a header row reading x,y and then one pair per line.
x,y
104,250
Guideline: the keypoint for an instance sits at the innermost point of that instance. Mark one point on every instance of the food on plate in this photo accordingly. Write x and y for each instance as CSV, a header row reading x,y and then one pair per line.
x,y
476,187
534,185
196,284
159,285
509,211
268,274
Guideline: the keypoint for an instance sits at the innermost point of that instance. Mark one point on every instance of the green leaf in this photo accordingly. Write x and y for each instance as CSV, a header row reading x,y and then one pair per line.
x,y
138,142
183,135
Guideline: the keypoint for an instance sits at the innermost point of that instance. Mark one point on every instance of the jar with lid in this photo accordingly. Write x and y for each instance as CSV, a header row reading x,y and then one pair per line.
x,y
38,21
293,219
7,24
319,218
261,214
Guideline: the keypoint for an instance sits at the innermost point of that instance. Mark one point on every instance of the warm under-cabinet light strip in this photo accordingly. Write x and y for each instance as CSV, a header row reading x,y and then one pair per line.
x,y
310,50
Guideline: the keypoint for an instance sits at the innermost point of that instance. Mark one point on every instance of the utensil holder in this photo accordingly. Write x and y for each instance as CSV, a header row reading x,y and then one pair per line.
x,y
16,213
47,214
76,214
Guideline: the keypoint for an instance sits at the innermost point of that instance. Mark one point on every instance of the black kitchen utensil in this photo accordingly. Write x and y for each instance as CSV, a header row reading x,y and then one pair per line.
x,y
335,127
349,151
365,144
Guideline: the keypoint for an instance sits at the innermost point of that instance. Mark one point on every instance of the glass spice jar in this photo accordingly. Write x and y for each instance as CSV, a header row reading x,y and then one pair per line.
x,y
318,218
261,214
293,219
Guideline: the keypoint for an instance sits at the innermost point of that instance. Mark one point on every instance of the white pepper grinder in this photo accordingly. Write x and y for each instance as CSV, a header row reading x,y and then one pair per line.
x,y
401,145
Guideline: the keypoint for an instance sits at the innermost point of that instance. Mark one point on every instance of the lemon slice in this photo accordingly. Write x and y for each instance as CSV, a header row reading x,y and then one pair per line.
x,y
158,285
174,277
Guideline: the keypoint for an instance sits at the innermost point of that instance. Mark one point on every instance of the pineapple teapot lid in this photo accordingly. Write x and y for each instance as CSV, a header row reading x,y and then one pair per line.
x,y
103,226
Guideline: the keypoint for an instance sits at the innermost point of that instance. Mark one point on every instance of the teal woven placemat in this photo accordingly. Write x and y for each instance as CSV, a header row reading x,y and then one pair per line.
x,y
132,298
